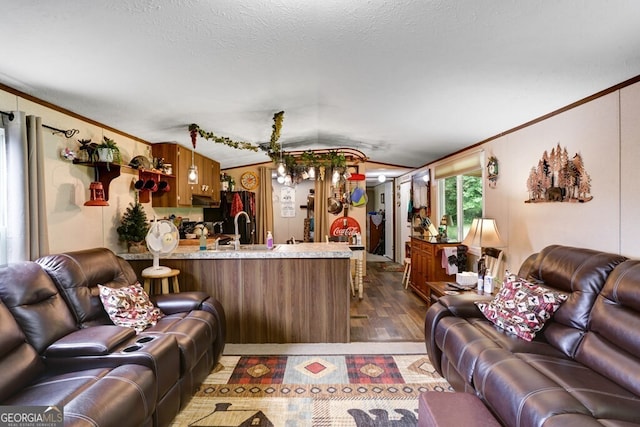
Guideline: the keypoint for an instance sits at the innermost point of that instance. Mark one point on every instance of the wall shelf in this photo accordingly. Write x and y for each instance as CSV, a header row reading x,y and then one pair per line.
x,y
104,172
156,176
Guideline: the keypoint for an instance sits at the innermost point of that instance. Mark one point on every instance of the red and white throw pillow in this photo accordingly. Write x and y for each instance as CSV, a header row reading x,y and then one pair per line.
x,y
522,308
129,306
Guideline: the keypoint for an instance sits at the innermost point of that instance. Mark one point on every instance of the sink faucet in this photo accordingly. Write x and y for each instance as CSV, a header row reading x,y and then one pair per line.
x,y
236,241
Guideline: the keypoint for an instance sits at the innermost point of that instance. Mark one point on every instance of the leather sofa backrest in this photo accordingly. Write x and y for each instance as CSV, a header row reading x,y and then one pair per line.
x,y
78,274
19,362
611,346
36,304
579,272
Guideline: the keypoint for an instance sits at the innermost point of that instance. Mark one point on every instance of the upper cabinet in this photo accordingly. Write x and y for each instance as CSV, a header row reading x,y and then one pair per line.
x,y
181,192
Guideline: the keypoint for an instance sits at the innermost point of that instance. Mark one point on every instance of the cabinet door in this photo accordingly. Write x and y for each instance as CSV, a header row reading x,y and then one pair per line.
x,y
169,153
429,262
215,182
419,262
184,189
207,169
181,191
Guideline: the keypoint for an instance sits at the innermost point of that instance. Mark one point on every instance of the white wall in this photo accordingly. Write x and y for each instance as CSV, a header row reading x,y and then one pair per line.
x,y
287,227
591,130
606,133
629,230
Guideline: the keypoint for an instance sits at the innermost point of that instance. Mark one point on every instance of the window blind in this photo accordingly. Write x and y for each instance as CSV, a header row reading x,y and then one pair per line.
x,y
459,166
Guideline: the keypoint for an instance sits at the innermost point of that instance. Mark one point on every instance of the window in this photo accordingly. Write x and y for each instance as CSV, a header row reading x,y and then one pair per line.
x,y
460,194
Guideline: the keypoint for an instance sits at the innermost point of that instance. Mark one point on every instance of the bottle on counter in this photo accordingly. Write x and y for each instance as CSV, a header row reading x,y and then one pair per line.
x,y
269,240
488,284
203,242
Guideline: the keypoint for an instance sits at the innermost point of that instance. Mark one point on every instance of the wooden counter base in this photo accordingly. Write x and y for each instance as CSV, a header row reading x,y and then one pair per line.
x,y
303,300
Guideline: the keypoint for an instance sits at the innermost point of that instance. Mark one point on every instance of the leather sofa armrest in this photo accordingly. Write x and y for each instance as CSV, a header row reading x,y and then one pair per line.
x,y
93,341
188,301
181,302
463,305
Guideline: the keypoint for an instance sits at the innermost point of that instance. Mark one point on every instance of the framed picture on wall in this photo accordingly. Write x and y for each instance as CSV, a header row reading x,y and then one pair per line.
x,y
382,198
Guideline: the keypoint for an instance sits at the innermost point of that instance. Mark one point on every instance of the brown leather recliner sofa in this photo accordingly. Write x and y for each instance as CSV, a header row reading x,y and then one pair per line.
x,y
581,369
62,348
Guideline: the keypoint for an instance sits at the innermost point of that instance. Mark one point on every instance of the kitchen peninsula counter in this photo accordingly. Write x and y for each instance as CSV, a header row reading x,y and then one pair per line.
x,y
299,250
295,293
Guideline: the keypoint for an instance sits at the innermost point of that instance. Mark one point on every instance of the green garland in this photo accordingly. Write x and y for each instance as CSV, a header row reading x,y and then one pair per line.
x,y
332,159
195,130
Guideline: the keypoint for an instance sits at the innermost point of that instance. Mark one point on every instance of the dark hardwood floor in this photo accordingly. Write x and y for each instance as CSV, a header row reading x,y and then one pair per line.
x,y
388,312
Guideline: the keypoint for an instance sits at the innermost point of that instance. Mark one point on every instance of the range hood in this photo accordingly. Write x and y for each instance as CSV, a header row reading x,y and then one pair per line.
x,y
205,201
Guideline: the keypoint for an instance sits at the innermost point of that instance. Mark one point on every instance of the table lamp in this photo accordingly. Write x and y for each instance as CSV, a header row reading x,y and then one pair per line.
x,y
483,234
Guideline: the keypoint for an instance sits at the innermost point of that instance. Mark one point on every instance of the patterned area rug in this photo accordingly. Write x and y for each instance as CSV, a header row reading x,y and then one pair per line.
x,y
327,390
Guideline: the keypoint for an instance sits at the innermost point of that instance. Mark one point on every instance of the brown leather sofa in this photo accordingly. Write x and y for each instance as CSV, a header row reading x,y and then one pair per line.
x,y
582,369
54,303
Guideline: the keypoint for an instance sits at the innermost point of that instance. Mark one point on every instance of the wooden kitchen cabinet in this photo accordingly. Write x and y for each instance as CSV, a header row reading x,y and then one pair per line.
x,y
426,265
215,182
181,191
208,178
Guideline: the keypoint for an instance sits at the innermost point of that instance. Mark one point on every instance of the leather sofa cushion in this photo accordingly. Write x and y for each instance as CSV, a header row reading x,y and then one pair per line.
x,y
77,274
463,340
35,303
125,395
541,386
577,271
611,345
19,362
194,331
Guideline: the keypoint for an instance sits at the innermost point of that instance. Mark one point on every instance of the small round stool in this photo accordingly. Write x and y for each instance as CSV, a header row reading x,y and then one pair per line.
x,y
151,281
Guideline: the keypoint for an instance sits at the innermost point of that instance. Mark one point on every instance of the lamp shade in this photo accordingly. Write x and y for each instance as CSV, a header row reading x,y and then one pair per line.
x,y
483,234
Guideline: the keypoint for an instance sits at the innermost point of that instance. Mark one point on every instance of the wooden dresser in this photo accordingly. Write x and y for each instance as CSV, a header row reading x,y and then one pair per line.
x,y
426,265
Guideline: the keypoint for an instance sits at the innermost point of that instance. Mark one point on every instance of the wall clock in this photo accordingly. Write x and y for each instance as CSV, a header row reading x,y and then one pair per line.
x,y
249,180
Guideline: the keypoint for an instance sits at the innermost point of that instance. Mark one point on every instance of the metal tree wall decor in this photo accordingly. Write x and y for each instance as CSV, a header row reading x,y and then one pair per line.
x,y
557,178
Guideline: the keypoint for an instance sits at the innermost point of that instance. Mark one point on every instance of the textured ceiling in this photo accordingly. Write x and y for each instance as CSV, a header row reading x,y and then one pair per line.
x,y
404,81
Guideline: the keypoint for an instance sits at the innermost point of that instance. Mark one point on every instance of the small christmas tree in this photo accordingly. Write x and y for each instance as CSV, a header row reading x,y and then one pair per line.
x,y
134,227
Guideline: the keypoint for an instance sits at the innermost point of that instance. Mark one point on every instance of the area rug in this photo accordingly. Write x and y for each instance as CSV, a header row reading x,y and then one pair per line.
x,y
324,390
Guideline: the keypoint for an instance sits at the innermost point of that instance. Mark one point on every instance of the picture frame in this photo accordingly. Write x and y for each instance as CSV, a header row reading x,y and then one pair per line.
x,y
382,198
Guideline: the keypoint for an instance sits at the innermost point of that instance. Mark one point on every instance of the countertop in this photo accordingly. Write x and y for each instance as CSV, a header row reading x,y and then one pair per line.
x,y
210,240
298,250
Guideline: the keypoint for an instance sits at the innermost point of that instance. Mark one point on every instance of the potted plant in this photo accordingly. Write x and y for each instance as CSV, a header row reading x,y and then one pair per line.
x,y
108,151
133,228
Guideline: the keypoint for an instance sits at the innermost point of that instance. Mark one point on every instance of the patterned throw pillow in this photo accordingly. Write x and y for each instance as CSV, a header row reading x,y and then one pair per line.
x,y
129,307
522,308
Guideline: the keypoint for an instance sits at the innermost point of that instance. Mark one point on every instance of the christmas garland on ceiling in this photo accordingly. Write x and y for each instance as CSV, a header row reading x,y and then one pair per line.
x,y
294,163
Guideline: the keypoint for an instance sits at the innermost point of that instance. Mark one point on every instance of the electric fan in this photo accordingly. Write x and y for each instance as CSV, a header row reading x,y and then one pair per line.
x,y
162,239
